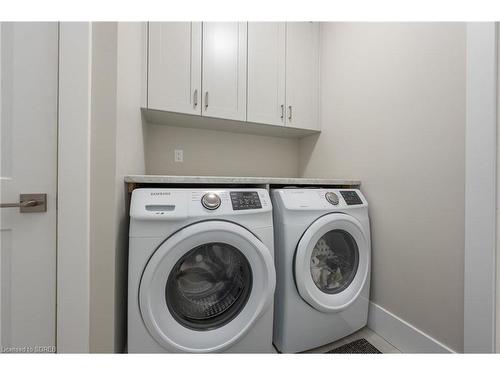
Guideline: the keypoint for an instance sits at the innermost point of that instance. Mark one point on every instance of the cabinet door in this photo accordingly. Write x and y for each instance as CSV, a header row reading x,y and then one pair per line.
x,y
302,74
266,72
174,72
224,70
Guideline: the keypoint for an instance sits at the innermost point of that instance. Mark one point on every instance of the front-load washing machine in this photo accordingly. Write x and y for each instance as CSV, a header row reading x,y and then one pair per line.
x,y
201,271
322,257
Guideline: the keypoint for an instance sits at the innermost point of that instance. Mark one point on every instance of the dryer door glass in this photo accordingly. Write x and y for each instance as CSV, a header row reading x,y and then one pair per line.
x,y
208,286
334,261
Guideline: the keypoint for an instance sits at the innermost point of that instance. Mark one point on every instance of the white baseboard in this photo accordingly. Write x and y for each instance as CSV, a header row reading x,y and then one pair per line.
x,y
401,334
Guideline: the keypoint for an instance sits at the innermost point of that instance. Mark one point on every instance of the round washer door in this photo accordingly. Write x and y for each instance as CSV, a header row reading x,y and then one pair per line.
x,y
205,287
332,262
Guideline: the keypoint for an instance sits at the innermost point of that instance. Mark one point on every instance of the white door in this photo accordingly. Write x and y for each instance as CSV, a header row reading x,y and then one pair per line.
x,y
224,70
332,261
28,124
205,287
266,72
174,72
302,74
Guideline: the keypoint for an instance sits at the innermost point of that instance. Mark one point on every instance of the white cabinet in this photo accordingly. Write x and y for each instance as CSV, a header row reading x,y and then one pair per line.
x,y
283,74
302,75
266,73
259,72
174,66
224,70
178,59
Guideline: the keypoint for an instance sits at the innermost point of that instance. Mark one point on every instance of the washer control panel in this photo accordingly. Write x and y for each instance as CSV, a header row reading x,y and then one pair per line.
x,y
245,200
182,203
351,197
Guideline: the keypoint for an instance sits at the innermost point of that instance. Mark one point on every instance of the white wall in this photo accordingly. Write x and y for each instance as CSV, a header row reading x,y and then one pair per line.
x,y
129,152
393,115
117,150
209,152
497,309
103,162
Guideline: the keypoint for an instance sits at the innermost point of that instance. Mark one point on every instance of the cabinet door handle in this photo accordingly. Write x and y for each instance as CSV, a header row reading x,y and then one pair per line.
x,y
206,100
290,112
195,98
282,111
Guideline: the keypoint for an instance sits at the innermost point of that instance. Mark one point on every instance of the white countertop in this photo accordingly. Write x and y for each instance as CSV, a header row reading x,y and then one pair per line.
x,y
159,179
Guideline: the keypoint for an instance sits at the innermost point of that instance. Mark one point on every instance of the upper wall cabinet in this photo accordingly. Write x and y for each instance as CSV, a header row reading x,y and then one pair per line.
x,y
302,75
224,70
283,73
258,72
174,66
266,72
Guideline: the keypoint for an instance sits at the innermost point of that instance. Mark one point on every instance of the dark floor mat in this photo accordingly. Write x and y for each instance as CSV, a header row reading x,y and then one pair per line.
x,y
360,346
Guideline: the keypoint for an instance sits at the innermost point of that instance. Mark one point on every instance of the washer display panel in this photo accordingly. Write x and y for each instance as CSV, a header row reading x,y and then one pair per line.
x,y
209,286
334,261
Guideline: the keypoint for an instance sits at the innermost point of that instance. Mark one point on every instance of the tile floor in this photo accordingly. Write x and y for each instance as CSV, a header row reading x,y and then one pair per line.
x,y
364,333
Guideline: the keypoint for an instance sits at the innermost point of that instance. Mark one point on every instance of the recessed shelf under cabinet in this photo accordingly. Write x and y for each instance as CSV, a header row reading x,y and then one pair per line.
x,y
153,116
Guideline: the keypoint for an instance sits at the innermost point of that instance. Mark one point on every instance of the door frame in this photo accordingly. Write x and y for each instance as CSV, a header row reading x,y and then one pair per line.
x,y
480,188
73,186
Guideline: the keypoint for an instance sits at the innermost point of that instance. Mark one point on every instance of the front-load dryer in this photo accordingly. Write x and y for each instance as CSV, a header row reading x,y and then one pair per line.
x,y
201,271
322,257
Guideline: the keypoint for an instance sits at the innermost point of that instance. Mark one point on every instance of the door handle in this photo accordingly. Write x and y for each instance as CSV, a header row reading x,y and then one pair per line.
x,y
282,111
195,98
206,100
290,112
29,203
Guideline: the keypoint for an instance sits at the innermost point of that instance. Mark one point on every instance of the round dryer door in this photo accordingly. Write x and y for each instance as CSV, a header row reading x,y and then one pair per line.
x,y
205,286
332,262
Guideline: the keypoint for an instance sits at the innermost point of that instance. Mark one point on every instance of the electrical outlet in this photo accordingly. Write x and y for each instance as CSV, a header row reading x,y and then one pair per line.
x,y
178,156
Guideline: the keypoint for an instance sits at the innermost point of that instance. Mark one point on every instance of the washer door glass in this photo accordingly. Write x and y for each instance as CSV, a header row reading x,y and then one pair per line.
x,y
334,261
208,286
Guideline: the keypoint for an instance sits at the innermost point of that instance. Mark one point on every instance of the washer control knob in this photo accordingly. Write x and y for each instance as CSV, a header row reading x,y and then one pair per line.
x,y
210,201
332,198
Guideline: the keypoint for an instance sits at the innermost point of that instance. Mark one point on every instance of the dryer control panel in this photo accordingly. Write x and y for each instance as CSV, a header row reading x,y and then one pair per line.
x,y
320,199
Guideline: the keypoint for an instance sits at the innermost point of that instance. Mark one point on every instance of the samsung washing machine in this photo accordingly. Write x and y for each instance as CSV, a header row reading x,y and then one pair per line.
x,y
201,271
322,257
